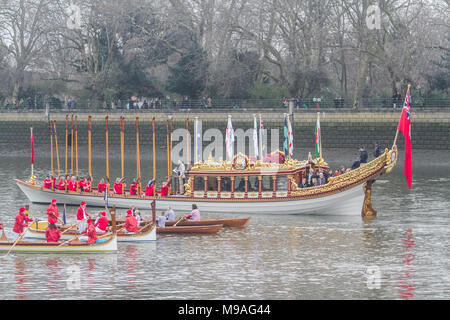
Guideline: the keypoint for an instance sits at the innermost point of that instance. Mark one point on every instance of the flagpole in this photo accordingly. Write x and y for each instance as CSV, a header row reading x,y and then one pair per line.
x,y
188,143
138,156
195,140
396,134
89,146
168,148
122,144
67,138
320,141
154,153
51,149
76,145
260,139
56,146
71,145
32,157
107,152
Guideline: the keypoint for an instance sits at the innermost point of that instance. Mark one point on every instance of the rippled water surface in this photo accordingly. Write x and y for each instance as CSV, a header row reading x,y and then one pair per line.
x,y
275,257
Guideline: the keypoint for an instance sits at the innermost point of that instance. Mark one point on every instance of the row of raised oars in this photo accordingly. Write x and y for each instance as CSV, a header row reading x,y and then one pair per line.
x,y
74,143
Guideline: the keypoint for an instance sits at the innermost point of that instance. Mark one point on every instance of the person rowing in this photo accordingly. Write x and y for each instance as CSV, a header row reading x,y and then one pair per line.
x,y
82,216
150,188
19,223
194,215
52,212
52,233
130,225
101,223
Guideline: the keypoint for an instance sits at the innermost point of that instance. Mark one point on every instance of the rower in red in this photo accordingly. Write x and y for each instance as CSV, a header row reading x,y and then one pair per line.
x,y
20,223
165,188
82,217
150,188
52,233
133,187
101,223
52,212
118,186
92,235
130,223
48,182
101,187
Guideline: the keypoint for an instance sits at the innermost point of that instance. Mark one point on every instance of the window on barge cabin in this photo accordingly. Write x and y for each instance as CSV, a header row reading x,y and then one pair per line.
x,y
282,183
199,184
267,183
225,184
253,184
239,184
212,183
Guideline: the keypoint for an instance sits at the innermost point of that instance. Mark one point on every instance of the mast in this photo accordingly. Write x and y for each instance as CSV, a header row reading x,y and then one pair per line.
x,y
107,152
89,146
56,145
154,153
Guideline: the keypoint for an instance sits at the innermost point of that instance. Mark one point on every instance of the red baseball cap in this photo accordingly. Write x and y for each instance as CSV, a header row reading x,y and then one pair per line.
x,y
129,212
103,213
82,203
53,200
22,209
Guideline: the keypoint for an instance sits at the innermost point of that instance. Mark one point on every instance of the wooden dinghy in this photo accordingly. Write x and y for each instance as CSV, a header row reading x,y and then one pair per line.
x,y
207,229
226,222
148,233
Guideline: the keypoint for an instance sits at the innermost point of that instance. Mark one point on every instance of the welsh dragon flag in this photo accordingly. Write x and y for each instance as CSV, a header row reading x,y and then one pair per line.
x,y
318,137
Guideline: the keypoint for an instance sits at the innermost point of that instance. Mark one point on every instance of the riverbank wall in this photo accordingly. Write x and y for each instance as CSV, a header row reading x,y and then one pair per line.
x,y
339,128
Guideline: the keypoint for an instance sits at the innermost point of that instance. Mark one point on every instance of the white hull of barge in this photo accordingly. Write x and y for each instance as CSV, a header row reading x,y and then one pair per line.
x,y
347,202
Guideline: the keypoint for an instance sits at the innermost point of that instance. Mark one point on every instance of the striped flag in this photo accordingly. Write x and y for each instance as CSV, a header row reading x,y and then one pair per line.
x,y
262,147
291,137
229,140
286,137
64,214
318,137
105,198
255,136
197,141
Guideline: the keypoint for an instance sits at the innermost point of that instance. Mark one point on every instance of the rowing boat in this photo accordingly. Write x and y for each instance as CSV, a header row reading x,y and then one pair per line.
x,y
37,232
227,222
210,229
108,245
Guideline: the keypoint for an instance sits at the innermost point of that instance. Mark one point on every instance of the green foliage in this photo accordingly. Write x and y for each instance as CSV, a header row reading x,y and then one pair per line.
x,y
188,76
268,91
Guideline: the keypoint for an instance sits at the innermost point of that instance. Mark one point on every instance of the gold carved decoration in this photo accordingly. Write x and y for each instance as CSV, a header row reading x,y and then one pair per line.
x,y
367,209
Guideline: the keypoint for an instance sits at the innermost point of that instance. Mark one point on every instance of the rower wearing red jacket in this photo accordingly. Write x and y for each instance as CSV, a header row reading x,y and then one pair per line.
x,y
52,212
118,186
20,223
91,232
82,217
133,187
47,183
101,223
52,233
130,223
164,189
150,188
62,184
101,187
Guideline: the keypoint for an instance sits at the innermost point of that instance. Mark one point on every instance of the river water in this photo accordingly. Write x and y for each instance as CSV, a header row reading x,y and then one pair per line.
x,y
401,254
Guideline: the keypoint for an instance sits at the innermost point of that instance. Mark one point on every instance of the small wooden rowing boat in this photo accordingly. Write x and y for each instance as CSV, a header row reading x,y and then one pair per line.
x,y
209,229
37,232
227,222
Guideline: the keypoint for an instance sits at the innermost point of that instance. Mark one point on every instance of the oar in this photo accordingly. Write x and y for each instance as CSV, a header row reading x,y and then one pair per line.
x,y
182,218
18,239
70,227
76,237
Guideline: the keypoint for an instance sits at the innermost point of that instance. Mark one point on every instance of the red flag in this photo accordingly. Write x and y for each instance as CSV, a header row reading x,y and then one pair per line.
x,y
32,147
405,127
